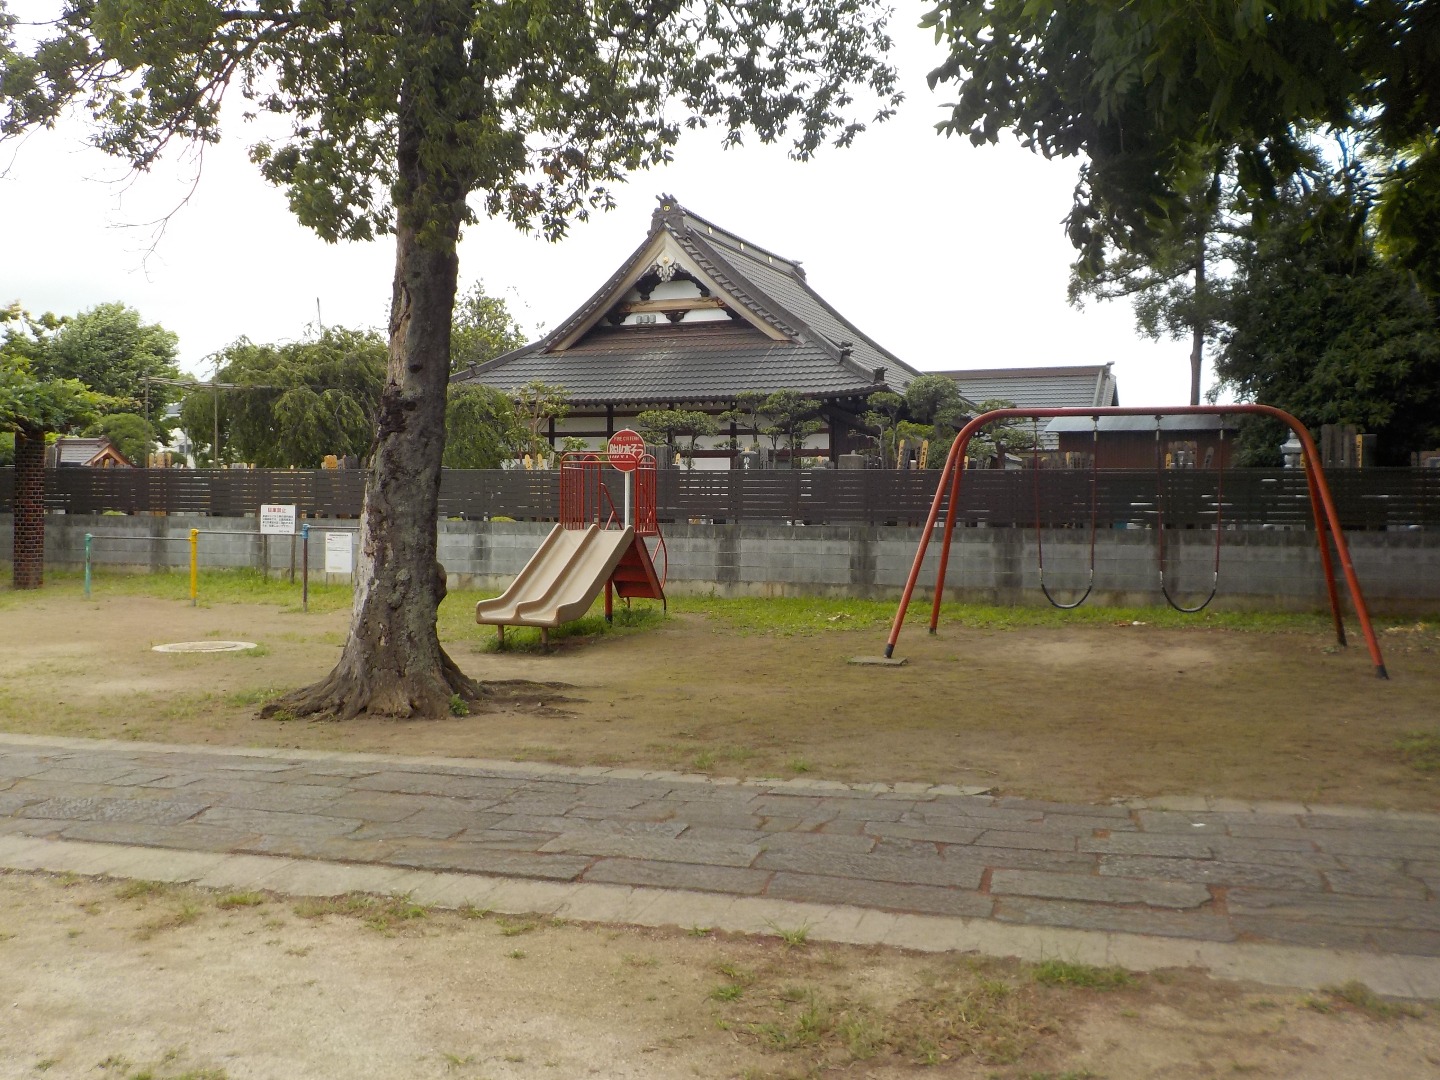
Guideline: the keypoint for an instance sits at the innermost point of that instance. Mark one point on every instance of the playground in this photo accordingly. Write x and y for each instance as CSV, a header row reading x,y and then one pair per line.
x,y
1082,705
1087,706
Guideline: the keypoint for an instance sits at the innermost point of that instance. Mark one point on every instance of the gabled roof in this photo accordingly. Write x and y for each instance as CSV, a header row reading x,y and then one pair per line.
x,y
90,452
779,334
1067,387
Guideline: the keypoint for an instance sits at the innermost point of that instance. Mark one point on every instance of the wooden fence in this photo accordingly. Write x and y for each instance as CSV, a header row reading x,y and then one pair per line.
x,y
1366,498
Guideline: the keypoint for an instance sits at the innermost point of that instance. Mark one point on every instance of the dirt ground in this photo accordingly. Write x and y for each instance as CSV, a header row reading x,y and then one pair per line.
x,y
1086,713
123,981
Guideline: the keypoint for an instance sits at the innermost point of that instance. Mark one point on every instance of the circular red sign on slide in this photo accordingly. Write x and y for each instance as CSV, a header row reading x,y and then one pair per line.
x,y
626,450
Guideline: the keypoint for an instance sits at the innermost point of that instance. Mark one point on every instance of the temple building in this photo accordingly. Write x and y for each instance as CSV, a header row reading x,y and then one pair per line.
x,y
695,316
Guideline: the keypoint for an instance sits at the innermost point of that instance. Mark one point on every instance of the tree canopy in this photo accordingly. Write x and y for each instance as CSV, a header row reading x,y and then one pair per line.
x,y
1135,85
1320,324
483,431
32,405
30,408
284,406
483,328
1166,101
664,427
111,351
386,117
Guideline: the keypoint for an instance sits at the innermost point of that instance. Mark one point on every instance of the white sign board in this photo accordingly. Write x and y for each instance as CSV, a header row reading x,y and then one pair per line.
x,y
277,520
339,553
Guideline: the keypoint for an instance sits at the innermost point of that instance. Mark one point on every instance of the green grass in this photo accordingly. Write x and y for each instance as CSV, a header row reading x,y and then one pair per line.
x,y
782,616
217,586
383,913
144,890
1067,973
792,937
1420,750
227,901
791,615
1362,999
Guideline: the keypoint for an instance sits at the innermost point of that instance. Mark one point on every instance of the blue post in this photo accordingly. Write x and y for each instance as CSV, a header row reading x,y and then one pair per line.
x,y
88,537
304,566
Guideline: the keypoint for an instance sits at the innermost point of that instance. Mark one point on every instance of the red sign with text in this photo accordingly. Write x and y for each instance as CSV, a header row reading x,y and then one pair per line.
x,y
626,450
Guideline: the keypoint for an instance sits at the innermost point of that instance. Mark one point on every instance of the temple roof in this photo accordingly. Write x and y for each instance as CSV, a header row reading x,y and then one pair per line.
x,y
698,314
1077,386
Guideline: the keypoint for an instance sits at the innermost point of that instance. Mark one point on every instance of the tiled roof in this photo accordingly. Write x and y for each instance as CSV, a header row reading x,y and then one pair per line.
x,y
83,450
783,283
810,347
1070,387
1182,422
613,365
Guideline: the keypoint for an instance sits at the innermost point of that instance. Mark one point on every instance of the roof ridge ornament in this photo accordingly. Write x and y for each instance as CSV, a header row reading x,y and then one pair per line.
x,y
669,211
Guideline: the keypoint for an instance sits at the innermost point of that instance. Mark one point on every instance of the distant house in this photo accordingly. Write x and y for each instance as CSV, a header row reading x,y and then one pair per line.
x,y
1079,386
69,452
1131,442
694,316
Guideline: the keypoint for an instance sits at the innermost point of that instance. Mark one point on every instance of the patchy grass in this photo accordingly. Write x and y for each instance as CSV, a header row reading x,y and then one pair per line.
x,y
792,937
216,586
745,615
986,1013
457,622
1067,973
228,901
790,615
1420,750
385,914
1358,997
145,890
766,1011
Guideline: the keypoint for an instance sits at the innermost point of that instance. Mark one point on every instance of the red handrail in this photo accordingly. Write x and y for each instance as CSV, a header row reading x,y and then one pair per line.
x,y
584,493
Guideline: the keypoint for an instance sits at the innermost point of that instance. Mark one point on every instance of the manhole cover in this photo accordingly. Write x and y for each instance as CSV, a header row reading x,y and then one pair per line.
x,y
205,646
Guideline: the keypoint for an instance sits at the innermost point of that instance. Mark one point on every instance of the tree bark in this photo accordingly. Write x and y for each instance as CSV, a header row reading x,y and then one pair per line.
x,y
392,664
1197,328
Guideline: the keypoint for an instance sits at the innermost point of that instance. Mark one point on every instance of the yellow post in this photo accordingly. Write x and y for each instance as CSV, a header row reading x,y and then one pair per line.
x,y
194,567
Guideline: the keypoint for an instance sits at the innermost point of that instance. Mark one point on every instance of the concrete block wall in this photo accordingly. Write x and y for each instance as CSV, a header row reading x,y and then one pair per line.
x,y
1399,571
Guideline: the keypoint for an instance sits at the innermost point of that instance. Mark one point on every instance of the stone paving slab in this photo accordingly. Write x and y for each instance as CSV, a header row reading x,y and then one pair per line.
x,y
881,861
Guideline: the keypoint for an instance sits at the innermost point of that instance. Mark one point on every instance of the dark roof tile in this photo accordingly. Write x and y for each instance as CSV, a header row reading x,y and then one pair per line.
x,y
822,353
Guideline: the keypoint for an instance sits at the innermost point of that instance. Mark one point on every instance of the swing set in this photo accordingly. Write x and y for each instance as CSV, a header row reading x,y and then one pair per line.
x,y
1327,521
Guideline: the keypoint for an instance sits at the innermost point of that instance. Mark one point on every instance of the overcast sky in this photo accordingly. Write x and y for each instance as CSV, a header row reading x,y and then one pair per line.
x,y
948,255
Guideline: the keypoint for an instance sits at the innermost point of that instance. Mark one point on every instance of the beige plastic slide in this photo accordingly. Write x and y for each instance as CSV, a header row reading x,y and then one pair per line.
x,y
561,580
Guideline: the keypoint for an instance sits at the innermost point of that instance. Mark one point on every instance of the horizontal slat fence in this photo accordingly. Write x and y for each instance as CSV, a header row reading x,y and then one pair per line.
x,y
1370,499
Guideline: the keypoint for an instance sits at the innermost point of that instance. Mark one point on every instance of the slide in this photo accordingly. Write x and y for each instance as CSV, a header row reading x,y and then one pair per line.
x,y
561,580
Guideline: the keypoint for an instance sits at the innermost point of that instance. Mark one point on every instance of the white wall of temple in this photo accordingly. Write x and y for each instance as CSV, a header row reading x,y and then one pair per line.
x,y
713,452
671,290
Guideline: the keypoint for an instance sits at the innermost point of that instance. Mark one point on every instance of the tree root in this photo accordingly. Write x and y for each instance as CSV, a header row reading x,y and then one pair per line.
x,y
351,690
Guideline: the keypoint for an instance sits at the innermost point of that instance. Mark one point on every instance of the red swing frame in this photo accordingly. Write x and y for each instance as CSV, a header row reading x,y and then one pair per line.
x,y
1327,521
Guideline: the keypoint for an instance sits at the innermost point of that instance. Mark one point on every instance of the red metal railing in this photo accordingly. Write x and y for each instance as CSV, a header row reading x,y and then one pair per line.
x,y
585,497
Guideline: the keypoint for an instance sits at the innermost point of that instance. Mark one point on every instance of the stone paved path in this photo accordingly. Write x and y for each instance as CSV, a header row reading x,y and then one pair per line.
x,y
1183,868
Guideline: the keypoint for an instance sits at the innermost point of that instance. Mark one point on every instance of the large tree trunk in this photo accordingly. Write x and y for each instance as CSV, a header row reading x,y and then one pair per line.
x,y
1198,326
392,664
28,568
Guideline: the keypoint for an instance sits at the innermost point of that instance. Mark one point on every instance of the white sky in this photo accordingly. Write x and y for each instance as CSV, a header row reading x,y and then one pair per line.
x,y
948,255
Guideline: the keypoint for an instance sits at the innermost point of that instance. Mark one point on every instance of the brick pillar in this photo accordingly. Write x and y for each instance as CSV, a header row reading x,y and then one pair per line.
x,y
29,506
